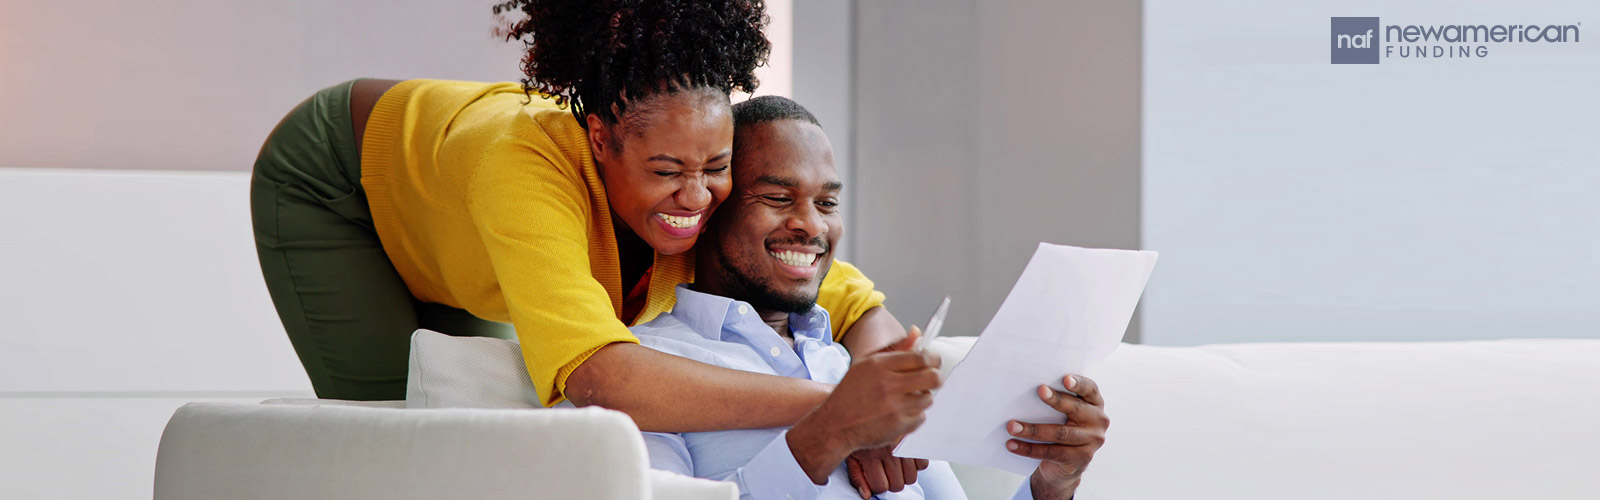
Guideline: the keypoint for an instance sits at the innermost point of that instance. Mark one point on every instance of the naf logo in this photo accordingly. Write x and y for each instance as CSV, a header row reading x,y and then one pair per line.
x,y
1355,40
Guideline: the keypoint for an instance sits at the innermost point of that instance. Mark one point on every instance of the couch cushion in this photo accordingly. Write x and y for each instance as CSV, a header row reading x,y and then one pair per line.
x,y
467,372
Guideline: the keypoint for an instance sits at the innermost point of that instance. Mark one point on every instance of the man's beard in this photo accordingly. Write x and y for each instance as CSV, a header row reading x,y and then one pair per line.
x,y
744,281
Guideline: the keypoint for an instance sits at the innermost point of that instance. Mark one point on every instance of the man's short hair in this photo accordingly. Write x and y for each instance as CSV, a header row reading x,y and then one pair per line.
x,y
769,108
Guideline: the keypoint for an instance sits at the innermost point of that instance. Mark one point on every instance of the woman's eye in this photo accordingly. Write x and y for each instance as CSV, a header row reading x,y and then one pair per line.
x,y
666,173
718,170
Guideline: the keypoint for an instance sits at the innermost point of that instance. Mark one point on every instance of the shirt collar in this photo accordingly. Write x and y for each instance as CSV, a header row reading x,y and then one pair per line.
x,y
708,314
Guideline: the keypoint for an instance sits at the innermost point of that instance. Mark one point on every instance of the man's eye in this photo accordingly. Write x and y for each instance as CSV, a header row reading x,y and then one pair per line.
x,y
828,204
666,173
777,199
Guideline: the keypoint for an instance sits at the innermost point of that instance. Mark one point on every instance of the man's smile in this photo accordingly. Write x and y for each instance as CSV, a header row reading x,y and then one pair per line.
x,y
796,261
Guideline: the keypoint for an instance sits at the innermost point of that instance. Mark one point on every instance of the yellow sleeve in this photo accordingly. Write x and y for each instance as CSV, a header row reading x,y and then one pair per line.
x,y
846,294
530,206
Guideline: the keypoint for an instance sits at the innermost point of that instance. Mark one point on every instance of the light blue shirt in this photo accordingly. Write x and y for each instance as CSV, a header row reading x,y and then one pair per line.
x,y
728,333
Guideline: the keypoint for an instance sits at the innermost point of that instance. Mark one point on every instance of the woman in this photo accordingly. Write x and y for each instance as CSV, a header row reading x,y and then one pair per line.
x,y
383,206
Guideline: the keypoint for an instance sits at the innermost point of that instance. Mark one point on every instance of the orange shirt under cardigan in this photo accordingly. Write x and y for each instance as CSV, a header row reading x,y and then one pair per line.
x,y
494,206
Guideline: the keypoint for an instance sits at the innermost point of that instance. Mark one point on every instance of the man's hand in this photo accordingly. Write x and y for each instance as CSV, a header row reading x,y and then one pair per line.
x,y
880,400
877,470
1068,447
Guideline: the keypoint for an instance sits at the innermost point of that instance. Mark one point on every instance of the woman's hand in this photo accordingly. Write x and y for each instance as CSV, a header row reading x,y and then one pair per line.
x,y
1066,448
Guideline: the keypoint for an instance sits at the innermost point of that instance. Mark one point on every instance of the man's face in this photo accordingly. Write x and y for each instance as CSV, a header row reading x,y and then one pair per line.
x,y
774,237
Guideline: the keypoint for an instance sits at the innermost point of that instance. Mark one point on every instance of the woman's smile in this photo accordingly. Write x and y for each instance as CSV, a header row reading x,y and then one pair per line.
x,y
680,224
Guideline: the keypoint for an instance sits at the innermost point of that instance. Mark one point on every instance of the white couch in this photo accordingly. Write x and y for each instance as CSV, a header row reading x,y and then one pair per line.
x,y
127,294
1486,419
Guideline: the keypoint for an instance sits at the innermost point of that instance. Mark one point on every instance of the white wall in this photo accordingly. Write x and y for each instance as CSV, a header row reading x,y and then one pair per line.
x,y
983,128
1293,199
124,295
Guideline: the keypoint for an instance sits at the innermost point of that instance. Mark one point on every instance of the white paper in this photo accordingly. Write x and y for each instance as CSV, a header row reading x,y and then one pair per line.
x,y
1065,315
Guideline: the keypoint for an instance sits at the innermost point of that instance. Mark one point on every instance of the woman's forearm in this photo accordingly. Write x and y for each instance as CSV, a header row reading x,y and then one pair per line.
x,y
875,330
667,393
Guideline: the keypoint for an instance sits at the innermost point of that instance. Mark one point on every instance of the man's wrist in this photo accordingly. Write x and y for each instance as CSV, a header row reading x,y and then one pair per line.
x,y
1045,490
815,451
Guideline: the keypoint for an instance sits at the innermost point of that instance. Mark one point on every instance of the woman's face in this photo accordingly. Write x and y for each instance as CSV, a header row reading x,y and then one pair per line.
x,y
671,169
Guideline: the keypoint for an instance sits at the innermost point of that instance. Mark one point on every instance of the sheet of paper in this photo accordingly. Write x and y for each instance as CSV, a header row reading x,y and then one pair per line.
x,y
1066,314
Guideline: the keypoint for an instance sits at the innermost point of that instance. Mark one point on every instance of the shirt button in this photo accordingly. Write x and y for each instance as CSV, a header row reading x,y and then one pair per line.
x,y
743,309
774,351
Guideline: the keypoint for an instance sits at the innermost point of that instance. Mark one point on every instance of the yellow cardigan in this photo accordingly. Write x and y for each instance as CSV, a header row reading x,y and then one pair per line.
x,y
491,205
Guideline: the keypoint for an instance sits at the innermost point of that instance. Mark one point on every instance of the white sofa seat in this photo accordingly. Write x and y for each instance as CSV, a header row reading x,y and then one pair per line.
x,y
337,451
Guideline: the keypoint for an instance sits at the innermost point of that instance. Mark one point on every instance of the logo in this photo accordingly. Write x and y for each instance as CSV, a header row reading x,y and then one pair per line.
x,y
1355,40
1361,40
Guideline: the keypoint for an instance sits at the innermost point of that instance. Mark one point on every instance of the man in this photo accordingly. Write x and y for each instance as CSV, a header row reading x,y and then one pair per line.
x,y
753,307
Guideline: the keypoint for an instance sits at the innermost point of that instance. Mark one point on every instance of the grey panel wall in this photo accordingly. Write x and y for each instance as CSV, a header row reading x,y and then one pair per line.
x,y
824,42
984,127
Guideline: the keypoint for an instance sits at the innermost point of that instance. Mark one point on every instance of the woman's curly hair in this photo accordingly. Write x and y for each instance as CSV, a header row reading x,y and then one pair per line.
x,y
597,55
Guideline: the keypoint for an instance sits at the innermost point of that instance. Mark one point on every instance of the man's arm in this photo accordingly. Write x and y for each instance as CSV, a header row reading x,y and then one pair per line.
x,y
668,452
771,474
880,400
667,393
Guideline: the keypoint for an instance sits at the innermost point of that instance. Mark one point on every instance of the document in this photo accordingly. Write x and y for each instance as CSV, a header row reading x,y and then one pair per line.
x,y
1065,315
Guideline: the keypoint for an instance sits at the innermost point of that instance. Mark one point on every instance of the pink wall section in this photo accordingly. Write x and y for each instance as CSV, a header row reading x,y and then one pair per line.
x,y
193,84
197,84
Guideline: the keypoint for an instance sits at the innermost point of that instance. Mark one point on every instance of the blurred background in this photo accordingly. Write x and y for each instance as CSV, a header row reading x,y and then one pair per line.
x,y
1291,199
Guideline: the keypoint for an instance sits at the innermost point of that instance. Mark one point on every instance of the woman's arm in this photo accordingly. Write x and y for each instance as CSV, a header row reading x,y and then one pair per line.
x,y
876,330
667,393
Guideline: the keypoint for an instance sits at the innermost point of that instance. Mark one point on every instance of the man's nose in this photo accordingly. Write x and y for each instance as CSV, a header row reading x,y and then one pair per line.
x,y
807,219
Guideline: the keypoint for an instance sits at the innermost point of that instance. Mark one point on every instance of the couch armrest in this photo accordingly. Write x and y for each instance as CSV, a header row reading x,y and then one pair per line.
x,y
277,451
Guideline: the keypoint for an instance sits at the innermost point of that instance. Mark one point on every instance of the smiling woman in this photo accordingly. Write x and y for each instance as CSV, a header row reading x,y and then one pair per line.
x,y
385,206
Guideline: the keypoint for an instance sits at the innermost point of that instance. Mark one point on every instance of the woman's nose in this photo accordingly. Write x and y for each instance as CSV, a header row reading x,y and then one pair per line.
x,y
693,195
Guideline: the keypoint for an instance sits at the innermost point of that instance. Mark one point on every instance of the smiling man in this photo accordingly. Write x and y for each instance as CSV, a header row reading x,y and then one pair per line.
x,y
753,307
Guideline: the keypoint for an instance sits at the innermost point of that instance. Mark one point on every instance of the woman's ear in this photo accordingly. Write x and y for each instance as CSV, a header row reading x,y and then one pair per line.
x,y
599,137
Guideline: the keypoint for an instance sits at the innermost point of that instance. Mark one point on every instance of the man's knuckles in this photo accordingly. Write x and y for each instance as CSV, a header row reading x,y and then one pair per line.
x,y
1087,389
1047,452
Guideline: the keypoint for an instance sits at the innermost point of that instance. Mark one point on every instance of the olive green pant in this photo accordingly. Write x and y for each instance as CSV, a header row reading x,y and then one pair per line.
x,y
346,310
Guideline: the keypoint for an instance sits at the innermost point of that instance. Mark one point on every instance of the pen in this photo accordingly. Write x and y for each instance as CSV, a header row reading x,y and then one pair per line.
x,y
935,324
